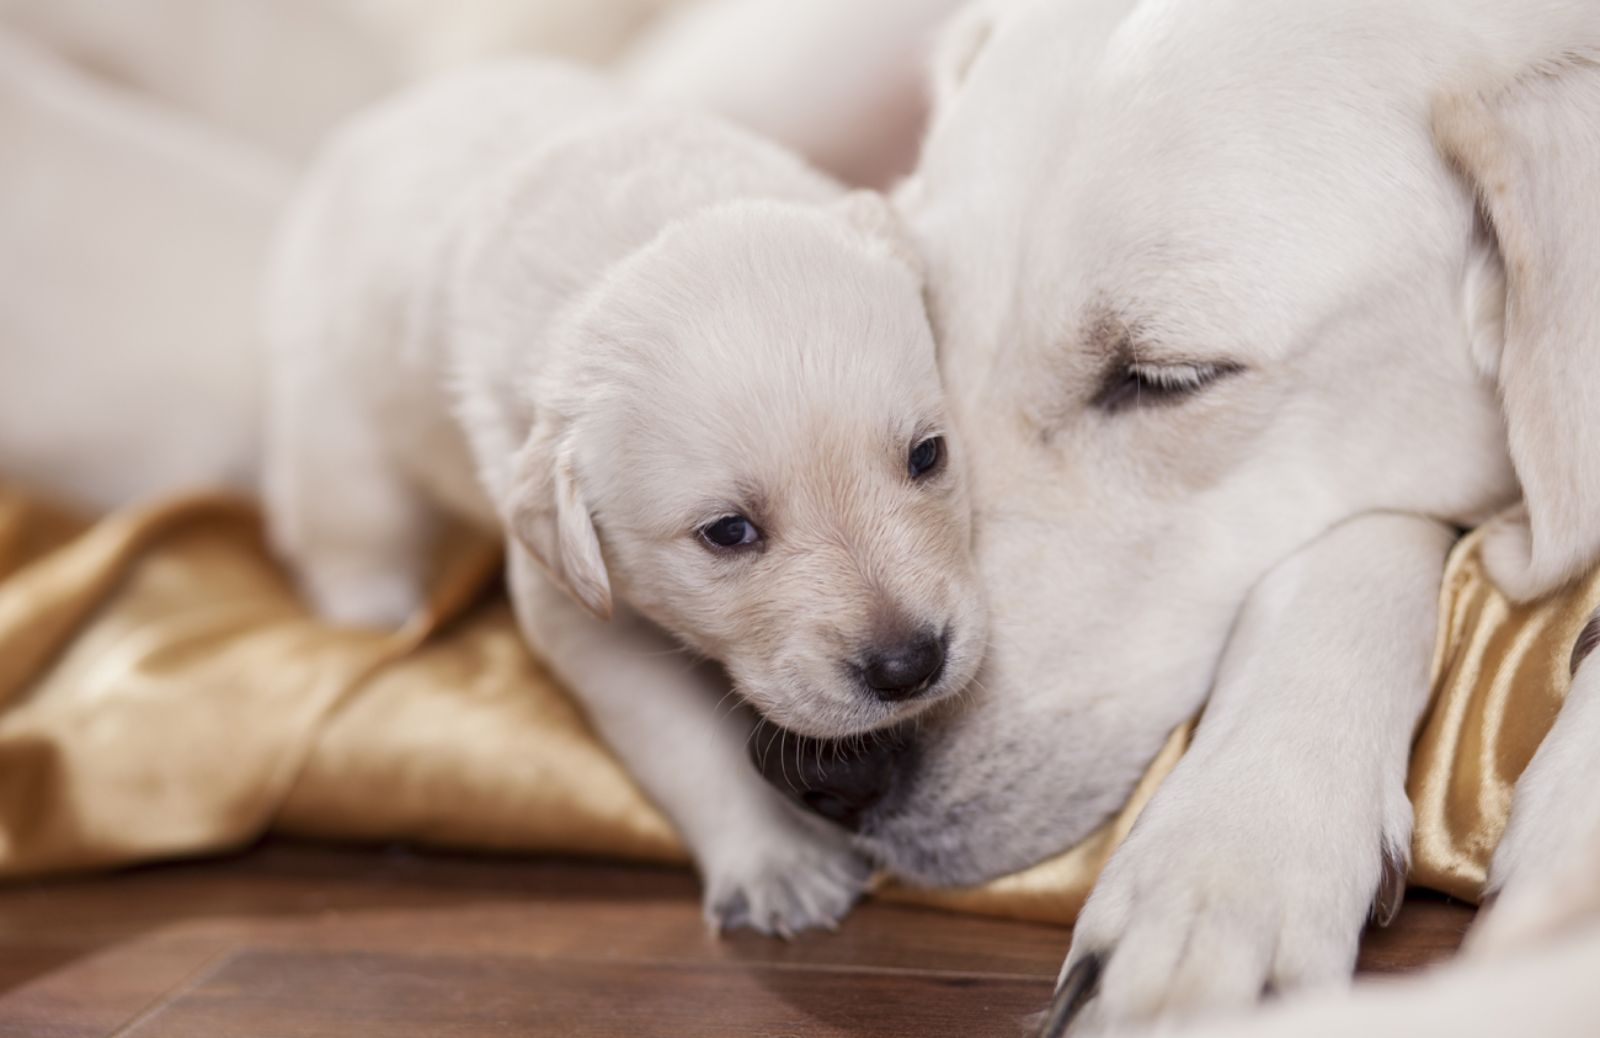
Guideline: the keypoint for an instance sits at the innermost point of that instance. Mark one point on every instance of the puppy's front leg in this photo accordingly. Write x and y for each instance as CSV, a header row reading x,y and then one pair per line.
x,y
1256,864
764,864
1546,870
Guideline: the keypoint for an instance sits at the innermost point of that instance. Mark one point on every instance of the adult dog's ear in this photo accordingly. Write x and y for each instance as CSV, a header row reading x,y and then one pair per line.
x,y
960,40
548,516
1531,151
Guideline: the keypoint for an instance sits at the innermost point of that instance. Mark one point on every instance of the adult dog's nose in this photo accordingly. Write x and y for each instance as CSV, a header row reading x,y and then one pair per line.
x,y
906,668
839,779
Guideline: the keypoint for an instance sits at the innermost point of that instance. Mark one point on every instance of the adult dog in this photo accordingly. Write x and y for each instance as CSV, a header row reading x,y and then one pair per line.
x,y
1244,306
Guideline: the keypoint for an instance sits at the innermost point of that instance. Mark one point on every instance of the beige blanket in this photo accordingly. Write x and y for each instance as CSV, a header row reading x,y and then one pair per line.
x,y
163,693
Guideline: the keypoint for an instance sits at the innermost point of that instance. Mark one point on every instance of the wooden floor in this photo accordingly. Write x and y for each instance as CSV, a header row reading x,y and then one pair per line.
x,y
296,941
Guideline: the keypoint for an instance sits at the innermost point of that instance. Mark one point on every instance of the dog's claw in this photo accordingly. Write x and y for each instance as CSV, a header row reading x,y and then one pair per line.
x,y
1588,641
731,913
1391,887
1080,985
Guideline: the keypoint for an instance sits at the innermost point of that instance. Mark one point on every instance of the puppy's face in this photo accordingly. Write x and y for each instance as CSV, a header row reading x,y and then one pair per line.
x,y
760,438
1208,292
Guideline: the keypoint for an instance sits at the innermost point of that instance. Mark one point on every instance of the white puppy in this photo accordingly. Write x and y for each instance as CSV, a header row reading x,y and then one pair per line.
x,y
695,383
278,73
1243,305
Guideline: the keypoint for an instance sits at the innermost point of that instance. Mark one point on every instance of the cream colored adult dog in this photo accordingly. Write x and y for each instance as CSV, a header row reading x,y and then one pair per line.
x,y
1243,305
694,382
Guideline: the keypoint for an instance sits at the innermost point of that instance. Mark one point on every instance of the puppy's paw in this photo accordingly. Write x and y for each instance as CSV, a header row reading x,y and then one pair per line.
x,y
789,878
1210,904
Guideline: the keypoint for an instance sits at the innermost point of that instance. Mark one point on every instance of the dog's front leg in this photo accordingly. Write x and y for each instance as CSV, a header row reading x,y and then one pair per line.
x,y
1546,870
670,719
1256,864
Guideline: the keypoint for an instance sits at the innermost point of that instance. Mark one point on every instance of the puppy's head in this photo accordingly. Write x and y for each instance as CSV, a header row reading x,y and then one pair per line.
x,y
749,446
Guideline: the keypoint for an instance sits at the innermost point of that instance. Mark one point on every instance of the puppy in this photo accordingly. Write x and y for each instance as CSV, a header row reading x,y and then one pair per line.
x,y
694,383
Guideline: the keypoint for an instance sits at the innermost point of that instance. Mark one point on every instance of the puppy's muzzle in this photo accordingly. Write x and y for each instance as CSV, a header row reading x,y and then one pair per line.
x,y
840,779
905,668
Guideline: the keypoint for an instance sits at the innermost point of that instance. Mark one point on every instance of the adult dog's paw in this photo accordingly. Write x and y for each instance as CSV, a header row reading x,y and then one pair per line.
x,y
1210,903
1545,877
789,877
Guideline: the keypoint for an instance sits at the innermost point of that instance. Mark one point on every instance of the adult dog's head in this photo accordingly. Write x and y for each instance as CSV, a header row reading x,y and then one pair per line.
x,y
1210,277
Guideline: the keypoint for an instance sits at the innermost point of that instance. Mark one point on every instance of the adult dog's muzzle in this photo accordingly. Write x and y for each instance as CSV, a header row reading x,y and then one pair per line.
x,y
839,779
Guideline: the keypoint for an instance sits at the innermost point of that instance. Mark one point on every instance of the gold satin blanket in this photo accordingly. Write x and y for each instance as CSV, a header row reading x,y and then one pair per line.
x,y
164,694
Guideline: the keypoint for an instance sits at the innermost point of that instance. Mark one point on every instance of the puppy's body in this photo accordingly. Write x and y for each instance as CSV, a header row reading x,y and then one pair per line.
x,y
687,376
367,280
358,305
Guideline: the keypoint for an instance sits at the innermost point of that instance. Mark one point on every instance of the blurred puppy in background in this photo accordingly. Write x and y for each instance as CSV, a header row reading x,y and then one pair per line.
x,y
694,382
154,143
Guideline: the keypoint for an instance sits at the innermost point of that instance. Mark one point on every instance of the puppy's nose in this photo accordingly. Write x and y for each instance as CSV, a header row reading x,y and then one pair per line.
x,y
841,780
902,670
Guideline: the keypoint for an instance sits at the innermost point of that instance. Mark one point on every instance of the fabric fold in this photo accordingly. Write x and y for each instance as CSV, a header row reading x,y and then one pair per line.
x,y
164,693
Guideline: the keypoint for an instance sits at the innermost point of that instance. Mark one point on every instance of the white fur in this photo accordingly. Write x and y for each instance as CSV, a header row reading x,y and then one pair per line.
x,y
839,81
280,73
1529,968
1259,858
1286,194
1548,991
516,296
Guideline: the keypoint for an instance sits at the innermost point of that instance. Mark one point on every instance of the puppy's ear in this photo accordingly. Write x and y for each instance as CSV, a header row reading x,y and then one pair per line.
x,y
548,516
1531,151
871,213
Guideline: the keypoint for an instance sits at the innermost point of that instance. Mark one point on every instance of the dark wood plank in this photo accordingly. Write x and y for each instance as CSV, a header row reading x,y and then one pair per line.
x,y
425,996
1429,928
205,945
98,994
582,907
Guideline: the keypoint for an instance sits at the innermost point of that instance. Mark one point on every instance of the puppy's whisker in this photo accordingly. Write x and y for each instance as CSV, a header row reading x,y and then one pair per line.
x,y
764,747
647,654
717,711
761,749
766,751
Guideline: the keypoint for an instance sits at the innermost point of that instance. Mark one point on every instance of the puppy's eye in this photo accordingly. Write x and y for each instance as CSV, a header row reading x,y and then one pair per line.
x,y
1132,384
731,531
926,457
